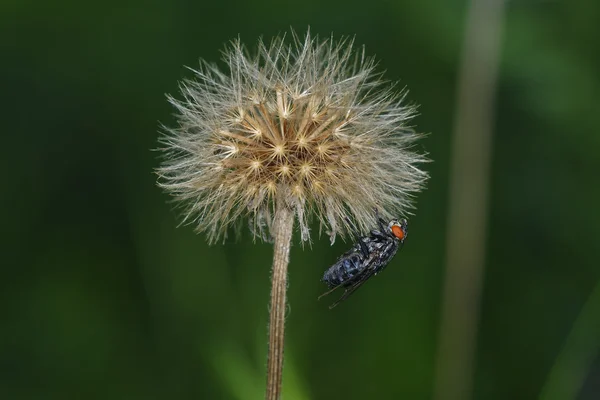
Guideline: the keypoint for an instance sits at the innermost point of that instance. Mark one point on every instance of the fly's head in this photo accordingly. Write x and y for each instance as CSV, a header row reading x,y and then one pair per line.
x,y
399,229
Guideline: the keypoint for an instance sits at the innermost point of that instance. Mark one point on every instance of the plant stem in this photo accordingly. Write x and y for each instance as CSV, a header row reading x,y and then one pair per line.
x,y
282,232
469,187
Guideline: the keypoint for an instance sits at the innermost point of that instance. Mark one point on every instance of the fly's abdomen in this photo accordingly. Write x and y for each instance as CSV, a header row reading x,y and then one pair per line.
x,y
343,271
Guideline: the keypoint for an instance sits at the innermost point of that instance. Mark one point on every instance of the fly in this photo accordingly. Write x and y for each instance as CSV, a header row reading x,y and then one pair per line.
x,y
366,258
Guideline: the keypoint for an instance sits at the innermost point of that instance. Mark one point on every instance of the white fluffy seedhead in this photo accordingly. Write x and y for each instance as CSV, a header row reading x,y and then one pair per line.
x,y
306,124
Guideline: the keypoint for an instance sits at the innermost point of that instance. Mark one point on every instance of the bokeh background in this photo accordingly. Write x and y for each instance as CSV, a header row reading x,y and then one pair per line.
x,y
104,297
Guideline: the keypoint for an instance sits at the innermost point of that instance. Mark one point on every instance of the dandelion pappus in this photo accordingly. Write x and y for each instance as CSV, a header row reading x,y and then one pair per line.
x,y
366,258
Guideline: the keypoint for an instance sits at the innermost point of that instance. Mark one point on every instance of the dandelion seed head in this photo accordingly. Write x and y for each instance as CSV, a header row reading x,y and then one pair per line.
x,y
304,123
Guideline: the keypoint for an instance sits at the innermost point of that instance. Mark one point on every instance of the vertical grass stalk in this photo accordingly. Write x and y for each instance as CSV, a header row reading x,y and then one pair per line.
x,y
469,186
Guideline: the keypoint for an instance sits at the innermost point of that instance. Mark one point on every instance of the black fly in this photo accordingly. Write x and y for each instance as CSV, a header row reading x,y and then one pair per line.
x,y
366,258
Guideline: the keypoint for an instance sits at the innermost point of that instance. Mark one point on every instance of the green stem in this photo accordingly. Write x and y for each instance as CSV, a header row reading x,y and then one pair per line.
x,y
469,187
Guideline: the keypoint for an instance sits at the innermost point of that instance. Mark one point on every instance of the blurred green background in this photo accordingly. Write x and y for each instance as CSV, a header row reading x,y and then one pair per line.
x,y
103,297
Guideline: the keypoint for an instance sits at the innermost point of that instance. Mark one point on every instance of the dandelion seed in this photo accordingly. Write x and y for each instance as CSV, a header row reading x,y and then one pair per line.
x,y
308,123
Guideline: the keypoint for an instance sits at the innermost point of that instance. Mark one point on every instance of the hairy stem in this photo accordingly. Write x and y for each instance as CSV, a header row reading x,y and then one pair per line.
x,y
282,228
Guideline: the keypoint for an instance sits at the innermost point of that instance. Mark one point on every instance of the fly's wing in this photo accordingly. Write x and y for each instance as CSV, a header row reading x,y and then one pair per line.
x,y
362,278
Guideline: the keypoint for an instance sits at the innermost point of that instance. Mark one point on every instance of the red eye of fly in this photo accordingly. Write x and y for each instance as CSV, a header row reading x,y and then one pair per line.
x,y
398,232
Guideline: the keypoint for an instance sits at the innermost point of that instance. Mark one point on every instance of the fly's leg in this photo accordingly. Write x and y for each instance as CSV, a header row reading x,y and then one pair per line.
x,y
380,221
379,235
349,221
327,292
363,247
